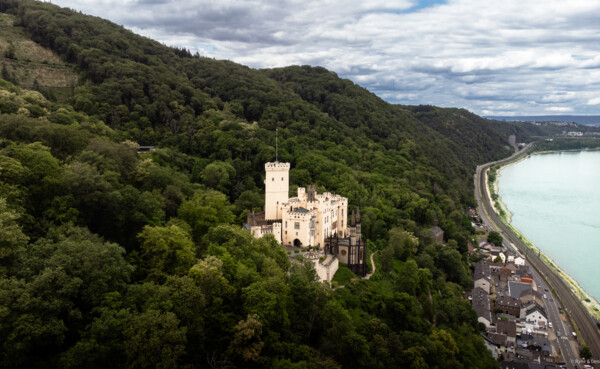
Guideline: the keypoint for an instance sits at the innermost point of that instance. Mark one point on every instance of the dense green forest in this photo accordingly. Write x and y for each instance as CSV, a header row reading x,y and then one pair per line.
x,y
577,143
110,257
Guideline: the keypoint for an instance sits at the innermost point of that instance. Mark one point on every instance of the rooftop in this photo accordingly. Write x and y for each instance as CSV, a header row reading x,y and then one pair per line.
x,y
508,301
482,270
515,289
481,303
301,210
506,327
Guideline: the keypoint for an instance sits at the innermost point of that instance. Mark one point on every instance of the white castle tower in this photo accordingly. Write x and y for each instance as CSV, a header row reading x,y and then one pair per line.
x,y
277,184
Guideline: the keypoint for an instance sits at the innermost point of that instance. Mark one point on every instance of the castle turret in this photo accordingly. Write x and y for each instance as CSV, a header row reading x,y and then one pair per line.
x,y
277,183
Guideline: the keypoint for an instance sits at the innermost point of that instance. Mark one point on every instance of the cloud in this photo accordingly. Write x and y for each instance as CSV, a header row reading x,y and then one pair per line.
x,y
512,56
559,109
594,101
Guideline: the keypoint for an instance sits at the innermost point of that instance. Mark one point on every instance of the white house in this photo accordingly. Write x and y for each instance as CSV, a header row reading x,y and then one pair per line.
x,y
535,318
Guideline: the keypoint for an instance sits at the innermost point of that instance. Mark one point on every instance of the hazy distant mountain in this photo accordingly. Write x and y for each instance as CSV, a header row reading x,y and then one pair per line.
x,y
590,120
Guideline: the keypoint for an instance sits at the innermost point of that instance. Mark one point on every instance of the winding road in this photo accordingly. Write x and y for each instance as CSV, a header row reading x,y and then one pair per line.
x,y
578,313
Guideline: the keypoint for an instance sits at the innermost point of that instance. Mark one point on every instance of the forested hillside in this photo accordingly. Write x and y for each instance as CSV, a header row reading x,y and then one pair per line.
x,y
109,257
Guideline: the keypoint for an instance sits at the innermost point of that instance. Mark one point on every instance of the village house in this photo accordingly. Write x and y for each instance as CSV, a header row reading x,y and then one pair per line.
x,y
529,297
527,279
504,274
535,318
516,289
482,275
481,304
536,344
508,305
509,329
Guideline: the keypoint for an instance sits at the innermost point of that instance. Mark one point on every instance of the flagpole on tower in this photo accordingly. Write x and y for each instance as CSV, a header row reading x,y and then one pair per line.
x,y
276,145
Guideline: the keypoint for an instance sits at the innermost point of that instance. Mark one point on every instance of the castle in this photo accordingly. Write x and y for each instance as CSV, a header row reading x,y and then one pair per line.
x,y
309,219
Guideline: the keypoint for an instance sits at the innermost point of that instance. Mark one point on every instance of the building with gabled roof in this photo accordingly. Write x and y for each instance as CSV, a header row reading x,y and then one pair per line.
x,y
481,304
508,305
515,289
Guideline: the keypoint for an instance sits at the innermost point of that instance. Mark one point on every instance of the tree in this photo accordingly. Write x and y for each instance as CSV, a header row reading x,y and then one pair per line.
x,y
218,175
154,340
247,342
495,238
585,353
166,250
206,209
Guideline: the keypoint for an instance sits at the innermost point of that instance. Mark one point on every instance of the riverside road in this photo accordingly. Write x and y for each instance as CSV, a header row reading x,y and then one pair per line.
x,y
578,313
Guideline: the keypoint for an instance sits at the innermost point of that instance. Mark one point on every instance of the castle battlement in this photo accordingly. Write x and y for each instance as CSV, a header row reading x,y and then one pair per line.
x,y
277,166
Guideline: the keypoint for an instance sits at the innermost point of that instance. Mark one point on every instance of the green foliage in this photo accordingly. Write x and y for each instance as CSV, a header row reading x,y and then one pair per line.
x,y
154,339
12,239
166,251
247,343
495,238
206,209
343,276
568,143
585,352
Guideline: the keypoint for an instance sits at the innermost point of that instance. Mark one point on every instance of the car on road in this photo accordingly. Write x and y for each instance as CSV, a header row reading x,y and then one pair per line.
x,y
550,324
544,295
557,333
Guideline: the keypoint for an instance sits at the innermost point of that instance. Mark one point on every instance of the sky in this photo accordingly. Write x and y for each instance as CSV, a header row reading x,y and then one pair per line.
x,y
509,57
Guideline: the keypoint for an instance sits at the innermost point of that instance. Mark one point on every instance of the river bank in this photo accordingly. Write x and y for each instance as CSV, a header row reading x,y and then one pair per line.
x,y
591,303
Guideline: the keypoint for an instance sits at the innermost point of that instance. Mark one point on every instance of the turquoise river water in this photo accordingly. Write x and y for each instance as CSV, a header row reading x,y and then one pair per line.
x,y
554,200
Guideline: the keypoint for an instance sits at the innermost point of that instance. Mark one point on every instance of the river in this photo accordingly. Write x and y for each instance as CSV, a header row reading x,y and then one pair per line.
x,y
554,200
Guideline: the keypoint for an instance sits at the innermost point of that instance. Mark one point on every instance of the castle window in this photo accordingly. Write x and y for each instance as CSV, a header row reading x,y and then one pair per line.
x,y
296,225
273,179
282,178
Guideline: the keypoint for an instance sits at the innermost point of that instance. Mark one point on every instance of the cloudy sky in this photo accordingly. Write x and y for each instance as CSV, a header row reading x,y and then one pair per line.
x,y
509,57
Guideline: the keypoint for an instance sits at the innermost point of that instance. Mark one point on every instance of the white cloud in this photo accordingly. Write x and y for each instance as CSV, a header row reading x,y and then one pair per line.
x,y
594,101
512,56
559,109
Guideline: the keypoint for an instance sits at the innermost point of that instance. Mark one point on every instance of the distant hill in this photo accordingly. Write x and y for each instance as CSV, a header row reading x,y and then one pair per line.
x,y
589,120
